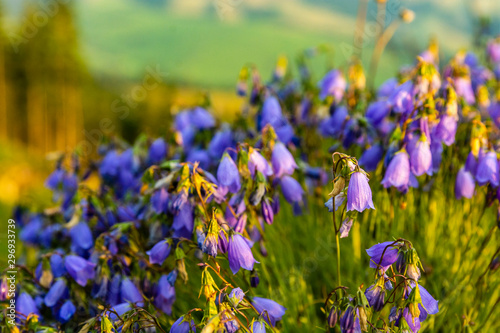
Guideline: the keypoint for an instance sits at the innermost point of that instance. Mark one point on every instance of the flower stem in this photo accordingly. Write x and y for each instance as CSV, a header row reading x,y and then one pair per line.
x,y
338,258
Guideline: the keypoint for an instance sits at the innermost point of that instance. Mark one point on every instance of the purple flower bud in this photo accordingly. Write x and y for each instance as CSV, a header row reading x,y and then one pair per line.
x,y
282,160
239,254
333,316
292,191
375,295
349,323
55,293
464,185
267,211
159,252
219,143
333,84
345,228
269,308
254,279
359,194
487,170
398,171
421,158
67,311
228,174
79,269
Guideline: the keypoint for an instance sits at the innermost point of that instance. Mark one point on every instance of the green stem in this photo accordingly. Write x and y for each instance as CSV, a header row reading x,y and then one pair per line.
x,y
338,259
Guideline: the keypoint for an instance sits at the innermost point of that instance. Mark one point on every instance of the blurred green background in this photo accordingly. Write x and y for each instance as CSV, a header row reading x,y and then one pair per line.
x,y
66,66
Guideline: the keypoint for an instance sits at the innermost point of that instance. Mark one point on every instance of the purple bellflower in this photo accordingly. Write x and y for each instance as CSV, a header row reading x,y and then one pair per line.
x,y
359,194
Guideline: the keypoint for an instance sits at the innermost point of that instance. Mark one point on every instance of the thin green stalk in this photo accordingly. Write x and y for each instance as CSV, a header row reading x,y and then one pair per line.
x,y
338,258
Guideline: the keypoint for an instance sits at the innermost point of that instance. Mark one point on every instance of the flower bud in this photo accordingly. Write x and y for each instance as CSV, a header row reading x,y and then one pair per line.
x,y
333,316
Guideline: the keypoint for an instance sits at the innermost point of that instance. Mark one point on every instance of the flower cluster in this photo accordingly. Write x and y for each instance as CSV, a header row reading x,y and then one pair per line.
x,y
396,283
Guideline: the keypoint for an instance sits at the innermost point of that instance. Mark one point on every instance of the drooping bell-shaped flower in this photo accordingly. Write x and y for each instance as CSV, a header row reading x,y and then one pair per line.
x,y
282,160
183,326
267,307
493,50
463,87
81,236
371,157
56,292
398,171
292,191
339,200
157,151
421,158
465,184
487,170
239,254
228,174
257,162
332,126
377,111
79,269
259,327
446,129
159,252
67,311
201,118
130,293
401,98
359,194
25,305
220,142
383,255
333,84
267,211
57,265
271,113
375,294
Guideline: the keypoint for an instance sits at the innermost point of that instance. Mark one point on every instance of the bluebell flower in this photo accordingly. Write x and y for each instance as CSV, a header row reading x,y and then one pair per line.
x,y
282,160
113,296
236,296
389,256
332,126
349,322
258,327
30,233
377,111
339,200
157,151
160,201
184,222
201,118
463,88
228,174
165,295
333,84
493,50
401,98
81,236
471,163
398,171
487,170
56,292
67,311
159,252
183,326
421,158
201,156
256,162
79,269
219,143
359,194
25,305
292,191
271,113
239,254
120,310
269,308
110,166
223,244
446,129
388,87
130,293
371,157
464,185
